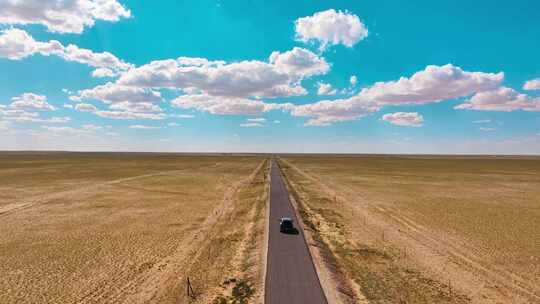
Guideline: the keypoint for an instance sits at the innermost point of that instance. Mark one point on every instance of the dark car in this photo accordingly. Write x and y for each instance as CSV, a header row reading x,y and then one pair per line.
x,y
286,225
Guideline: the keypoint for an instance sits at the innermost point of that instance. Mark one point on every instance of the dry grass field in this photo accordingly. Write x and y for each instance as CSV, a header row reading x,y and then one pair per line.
x,y
425,229
129,228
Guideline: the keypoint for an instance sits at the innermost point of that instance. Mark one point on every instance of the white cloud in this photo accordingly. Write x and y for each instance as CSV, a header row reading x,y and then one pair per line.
x,y
61,16
4,125
65,130
251,125
279,77
260,120
407,119
173,124
143,127
85,107
184,116
331,27
353,80
68,106
533,84
434,84
125,115
501,99
325,89
143,107
57,120
299,62
487,129
482,121
197,61
124,97
103,72
92,127
277,121
225,105
31,101
16,44
75,98
22,116
326,112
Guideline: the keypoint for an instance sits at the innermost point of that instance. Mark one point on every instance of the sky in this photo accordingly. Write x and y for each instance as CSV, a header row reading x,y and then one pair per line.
x,y
271,76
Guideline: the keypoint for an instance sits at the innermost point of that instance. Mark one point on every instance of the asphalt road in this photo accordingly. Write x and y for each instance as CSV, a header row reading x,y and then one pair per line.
x,y
290,275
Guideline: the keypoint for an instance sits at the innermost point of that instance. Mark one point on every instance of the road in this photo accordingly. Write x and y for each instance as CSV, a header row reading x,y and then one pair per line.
x,y
290,276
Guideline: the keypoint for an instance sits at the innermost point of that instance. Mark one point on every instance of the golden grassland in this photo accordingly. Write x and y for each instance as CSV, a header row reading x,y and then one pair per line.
x,y
129,228
426,229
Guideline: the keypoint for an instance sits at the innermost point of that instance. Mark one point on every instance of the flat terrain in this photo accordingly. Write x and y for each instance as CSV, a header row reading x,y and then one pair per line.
x,y
291,276
128,228
427,229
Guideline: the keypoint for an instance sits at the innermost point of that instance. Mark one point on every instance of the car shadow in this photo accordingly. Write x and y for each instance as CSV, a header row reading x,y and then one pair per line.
x,y
292,231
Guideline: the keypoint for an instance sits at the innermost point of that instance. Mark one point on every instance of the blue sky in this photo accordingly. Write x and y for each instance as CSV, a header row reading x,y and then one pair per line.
x,y
271,76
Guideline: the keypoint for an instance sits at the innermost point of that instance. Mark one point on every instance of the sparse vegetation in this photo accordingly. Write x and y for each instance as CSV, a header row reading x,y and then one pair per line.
x,y
100,227
427,229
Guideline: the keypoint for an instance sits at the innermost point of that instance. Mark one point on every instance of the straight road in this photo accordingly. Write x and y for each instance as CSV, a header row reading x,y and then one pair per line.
x,y
290,274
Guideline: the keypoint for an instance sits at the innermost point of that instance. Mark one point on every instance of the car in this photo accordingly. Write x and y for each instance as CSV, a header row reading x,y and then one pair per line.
x,y
286,225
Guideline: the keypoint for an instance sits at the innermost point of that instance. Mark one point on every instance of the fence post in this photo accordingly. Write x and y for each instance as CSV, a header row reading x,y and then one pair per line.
x,y
190,291
188,287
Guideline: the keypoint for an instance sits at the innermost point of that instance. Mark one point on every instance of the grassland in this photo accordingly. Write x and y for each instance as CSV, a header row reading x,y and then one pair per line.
x,y
129,228
426,229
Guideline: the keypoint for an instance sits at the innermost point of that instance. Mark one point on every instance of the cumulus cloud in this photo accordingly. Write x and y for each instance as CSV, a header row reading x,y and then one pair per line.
x,y
501,99
144,107
331,27
487,129
143,127
325,89
533,84
184,116
124,98
259,120
255,79
327,112
92,127
16,44
70,16
251,125
22,116
85,107
125,115
66,130
57,120
114,93
103,72
407,119
225,105
433,84
31,101
299,62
